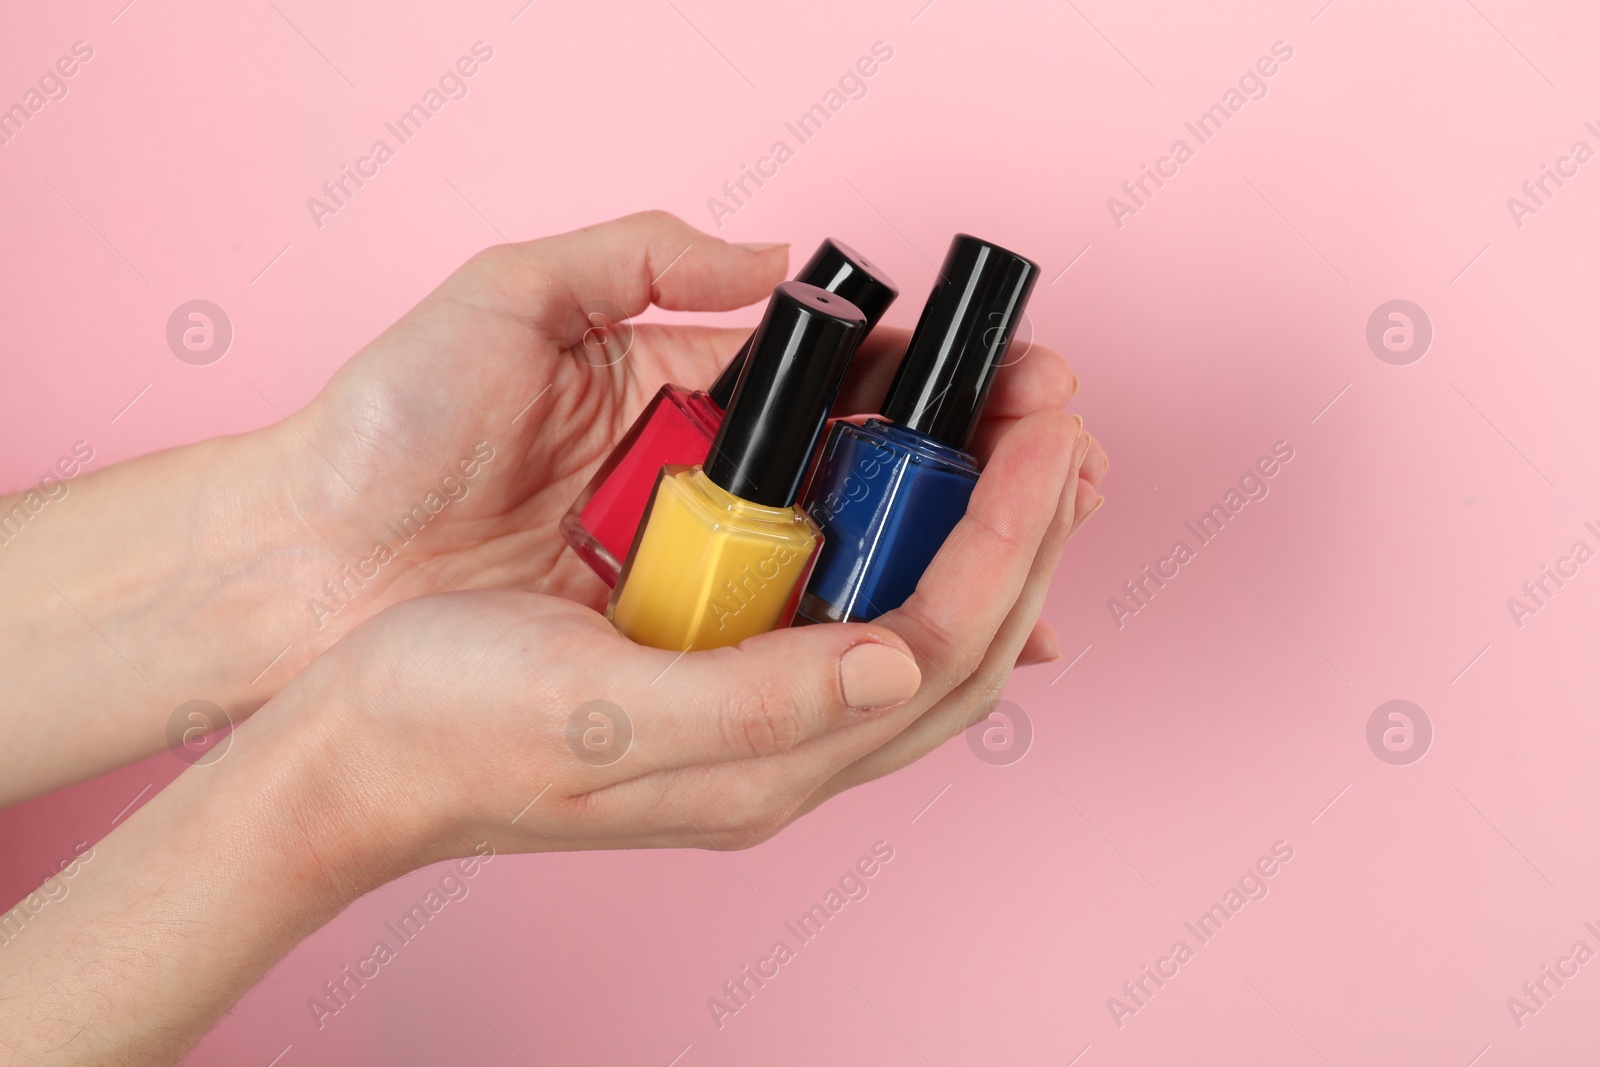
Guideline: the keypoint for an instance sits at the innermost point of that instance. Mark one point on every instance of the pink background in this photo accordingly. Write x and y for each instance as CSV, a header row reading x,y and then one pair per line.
x,y
1223,317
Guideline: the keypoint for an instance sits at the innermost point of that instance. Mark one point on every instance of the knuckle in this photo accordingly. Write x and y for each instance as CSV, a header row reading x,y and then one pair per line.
x,y
766,721
755,829
662,217
985,697
732,841
507,267
957,660
1056,366
491,258
1048,358
1004,533
657,220
758,808
967,660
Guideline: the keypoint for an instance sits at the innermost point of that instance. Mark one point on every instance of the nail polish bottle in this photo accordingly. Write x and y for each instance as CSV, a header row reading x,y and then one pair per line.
x,y
723,551
888,491
678,424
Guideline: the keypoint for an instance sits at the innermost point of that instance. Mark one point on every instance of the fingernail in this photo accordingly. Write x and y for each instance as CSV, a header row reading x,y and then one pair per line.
x,y
762,247
876,676
1077,523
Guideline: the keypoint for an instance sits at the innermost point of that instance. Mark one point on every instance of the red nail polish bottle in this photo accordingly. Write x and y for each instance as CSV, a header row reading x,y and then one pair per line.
x,y
678,425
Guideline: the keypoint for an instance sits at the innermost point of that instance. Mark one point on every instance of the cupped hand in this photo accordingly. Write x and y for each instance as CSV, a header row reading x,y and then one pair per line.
x,y
527,721
444,454
527,356
458,438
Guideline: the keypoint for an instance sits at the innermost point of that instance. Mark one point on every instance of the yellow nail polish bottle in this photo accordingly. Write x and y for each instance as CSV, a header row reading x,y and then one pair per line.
x,y
724,551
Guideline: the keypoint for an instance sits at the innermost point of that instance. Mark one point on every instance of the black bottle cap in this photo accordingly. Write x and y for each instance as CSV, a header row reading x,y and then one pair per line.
x,y
838,268
960,341
798,356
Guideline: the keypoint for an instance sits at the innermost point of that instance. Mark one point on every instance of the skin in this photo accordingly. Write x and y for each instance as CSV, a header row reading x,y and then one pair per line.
x,y
423,715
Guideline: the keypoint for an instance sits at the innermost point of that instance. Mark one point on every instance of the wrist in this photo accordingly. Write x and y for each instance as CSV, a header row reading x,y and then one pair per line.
x,y
321,510
170,579
332,750
197,894
288,564
255,555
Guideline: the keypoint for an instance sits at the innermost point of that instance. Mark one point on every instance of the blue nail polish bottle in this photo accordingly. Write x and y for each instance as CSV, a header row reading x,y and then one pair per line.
x,y
888,491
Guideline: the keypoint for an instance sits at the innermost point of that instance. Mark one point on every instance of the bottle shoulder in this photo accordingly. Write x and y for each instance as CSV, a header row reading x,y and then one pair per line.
x,y
716,507
695,405
890,438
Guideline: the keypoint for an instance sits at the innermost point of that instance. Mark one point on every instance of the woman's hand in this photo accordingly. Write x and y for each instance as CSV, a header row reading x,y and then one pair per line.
x,y
528,354
461,700
526,721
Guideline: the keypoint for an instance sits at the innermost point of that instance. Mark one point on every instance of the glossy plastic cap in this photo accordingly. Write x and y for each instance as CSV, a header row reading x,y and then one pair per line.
x,y
961,340
797,360
838,268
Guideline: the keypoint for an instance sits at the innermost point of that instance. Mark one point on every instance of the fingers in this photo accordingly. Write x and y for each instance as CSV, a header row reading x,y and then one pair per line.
x,y
736,805
977,576
871,370
1095,465
991,429
767,695
1088,501
724,807
1040,647
1033,377
956,712
649,258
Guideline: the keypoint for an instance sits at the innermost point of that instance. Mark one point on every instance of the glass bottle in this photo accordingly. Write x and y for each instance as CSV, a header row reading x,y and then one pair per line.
x,y
888,491
678,424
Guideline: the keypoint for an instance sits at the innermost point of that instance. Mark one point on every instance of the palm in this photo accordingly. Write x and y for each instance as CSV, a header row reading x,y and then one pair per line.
x,y
488,357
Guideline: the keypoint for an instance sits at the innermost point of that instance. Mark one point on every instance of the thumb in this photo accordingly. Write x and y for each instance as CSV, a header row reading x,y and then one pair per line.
x,y
772,693
653,257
